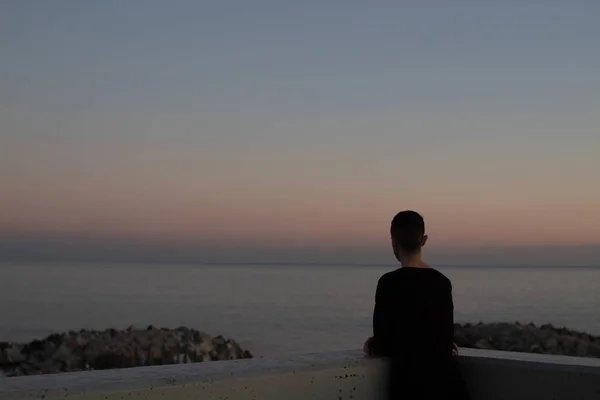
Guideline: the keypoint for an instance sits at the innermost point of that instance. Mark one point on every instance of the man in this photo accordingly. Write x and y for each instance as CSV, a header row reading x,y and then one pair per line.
x,y
413,320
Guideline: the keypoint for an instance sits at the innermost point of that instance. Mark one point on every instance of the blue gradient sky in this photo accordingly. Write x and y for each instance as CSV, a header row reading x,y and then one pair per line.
x,y
279,122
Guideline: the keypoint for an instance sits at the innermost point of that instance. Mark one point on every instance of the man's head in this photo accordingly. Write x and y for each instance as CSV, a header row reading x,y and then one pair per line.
x,y
408,233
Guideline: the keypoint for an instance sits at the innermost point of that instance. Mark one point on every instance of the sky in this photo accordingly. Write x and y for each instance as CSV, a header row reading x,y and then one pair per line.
x,y
280,124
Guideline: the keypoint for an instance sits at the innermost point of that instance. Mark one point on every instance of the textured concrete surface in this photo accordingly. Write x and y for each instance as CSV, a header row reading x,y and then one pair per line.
x,y
348,375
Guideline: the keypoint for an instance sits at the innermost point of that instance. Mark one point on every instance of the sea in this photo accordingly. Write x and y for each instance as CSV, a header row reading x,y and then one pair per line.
x,y
274,310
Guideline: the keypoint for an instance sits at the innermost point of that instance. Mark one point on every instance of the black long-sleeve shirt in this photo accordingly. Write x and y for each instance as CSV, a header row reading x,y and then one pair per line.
x,y
413,325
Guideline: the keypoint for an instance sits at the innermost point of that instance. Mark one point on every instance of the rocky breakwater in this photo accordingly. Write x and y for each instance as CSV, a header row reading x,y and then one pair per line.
x,y
528,338
111,349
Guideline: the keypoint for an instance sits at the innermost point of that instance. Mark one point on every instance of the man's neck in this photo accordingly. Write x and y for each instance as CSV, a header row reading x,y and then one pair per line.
x,y
413,261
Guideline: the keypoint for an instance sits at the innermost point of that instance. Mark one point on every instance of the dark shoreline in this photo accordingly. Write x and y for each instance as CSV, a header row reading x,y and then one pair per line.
x,y
112,349
527,338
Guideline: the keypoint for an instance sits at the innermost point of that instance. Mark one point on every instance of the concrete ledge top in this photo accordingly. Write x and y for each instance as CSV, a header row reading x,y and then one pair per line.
x,y
168,375
532,358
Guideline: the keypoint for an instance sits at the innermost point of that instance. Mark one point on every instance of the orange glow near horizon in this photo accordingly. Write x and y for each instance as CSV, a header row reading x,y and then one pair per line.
x,y
243,204
323,196
480,178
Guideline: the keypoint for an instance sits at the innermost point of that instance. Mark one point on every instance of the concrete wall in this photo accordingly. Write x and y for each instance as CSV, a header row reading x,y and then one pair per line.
x,y
347,375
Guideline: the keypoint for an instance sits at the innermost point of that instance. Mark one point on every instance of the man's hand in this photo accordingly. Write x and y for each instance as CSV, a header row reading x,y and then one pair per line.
x,y
369,345
454,349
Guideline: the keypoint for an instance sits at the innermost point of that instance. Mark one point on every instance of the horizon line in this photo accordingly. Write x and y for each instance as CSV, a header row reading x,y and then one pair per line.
x,y
295,264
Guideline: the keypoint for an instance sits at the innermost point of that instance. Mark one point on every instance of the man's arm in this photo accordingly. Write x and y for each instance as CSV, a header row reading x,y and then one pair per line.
x,y
448,322
380,323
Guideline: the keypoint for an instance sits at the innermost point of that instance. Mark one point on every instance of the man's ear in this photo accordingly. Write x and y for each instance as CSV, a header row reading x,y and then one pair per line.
x,y
425,237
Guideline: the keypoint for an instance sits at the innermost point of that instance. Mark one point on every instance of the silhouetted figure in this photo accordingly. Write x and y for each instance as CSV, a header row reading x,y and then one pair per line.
x,y
413,321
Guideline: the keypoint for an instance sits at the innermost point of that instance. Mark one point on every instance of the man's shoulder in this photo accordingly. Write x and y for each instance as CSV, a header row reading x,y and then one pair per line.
x,y
400,272
443,279
390,276
440,274
387,280
429,274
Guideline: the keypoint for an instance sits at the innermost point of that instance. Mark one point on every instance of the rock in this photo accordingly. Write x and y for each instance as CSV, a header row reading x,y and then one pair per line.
x,y
594,350
527,338
461,340
81,340
220,346
483,344
551,343
569,344
111,349
13,354
535,348
582,348
112,359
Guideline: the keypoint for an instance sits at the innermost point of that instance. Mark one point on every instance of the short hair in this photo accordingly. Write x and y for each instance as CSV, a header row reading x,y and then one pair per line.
x,y
408,230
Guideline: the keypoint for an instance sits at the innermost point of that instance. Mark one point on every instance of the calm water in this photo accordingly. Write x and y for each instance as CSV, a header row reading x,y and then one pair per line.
x,y
275,309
